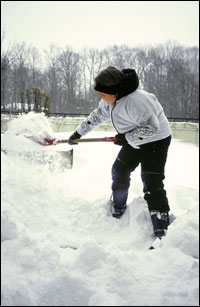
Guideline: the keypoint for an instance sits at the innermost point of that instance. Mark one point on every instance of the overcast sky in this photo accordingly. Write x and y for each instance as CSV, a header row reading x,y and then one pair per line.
x,y
100,24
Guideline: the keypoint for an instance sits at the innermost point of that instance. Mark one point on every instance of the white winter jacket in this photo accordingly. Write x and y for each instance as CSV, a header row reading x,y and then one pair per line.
x,y
138,115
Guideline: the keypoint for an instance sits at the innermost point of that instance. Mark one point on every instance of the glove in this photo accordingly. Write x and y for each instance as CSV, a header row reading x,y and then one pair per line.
x,y
121,140
74,136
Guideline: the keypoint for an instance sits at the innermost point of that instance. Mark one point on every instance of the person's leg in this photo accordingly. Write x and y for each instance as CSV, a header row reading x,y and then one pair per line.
x,y
126,161
153,160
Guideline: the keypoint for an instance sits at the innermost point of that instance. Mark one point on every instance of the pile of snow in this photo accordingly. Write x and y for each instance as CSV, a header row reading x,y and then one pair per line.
x,y
22,129
23,136
60,247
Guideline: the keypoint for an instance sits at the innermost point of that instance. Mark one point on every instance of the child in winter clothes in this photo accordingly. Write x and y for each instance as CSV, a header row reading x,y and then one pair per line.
x,y
144,134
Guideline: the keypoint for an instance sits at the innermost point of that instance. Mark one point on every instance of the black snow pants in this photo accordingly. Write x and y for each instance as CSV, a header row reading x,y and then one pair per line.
x,y
152,157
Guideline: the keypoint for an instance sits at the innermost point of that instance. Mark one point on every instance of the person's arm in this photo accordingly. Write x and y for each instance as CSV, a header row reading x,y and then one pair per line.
x,y
137,134
96,118
141,133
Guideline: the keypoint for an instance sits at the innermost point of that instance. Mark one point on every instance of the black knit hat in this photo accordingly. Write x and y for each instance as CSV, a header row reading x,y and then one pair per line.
x,y
110,89
126,83
108,80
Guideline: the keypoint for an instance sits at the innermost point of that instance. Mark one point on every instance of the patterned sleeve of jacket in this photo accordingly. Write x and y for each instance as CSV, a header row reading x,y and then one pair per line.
x,y
96,118
141,132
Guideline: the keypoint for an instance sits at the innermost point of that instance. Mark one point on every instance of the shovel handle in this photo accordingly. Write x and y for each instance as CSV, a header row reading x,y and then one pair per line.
x,y
105,139
55,142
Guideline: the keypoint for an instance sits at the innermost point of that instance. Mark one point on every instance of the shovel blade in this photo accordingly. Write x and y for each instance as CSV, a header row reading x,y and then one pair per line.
x,y
67,158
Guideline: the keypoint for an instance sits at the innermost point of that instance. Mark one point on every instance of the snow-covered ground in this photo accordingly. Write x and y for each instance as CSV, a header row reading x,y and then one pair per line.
x,y
59,245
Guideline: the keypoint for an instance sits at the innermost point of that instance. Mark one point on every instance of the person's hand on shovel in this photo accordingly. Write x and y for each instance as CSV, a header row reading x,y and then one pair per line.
x,y
73,137
120,139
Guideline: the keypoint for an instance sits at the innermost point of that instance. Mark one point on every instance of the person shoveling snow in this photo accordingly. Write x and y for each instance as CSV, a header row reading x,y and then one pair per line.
x,y
144,134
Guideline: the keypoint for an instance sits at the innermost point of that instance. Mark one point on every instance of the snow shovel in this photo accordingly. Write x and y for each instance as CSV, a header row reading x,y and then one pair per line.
x,y
68,155
48,142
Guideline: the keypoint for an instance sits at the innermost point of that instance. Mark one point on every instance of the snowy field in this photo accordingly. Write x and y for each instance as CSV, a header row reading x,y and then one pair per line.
x,y
59,245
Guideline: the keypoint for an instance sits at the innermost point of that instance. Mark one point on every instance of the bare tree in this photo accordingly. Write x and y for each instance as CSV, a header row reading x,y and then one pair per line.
x,y
52,75
20,70
68,62
7,59
35,64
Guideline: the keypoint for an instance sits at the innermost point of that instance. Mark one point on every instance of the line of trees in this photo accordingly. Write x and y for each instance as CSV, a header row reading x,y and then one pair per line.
x,y
65,77
34,100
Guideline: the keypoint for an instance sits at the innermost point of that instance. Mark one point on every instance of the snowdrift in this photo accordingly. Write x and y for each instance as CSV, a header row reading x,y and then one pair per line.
x,y
60,247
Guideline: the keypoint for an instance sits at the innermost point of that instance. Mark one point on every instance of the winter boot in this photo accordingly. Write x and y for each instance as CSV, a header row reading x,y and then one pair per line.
x,y
160,221
117,211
